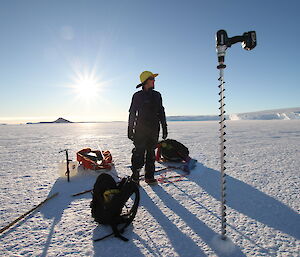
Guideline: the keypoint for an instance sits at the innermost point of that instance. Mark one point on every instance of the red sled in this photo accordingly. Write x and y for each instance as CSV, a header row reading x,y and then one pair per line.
x,y
94,159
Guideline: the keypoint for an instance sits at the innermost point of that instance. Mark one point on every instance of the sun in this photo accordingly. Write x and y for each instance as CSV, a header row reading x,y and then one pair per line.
x,y
86,85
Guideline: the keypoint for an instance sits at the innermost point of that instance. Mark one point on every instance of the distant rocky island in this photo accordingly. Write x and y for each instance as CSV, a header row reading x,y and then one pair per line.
x,y
59,120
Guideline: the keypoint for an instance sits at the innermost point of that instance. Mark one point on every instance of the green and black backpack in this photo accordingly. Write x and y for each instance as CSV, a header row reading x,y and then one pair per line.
x,y
172,150
114,203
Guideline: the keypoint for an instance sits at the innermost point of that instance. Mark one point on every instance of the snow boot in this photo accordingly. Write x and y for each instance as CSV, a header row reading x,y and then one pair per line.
x,y
135,177
151,181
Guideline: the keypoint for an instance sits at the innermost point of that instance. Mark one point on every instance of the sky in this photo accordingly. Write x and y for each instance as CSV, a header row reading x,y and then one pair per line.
x,y
81,59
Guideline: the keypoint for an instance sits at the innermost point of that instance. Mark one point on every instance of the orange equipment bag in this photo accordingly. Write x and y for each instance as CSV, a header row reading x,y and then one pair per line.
x,y
94,159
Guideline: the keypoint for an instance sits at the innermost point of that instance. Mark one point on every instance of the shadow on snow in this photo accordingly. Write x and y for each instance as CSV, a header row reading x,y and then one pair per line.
x,y
241,197
250,201
182,244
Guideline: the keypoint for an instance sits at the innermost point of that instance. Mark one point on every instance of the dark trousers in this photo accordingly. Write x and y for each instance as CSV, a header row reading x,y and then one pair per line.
x,y
144,154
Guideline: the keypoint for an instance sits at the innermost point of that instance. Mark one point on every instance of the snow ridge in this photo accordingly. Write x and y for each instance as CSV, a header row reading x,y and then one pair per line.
x,y
278,114
281,114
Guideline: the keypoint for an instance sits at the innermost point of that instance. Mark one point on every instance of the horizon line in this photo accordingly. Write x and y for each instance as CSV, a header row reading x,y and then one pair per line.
x,y
24,120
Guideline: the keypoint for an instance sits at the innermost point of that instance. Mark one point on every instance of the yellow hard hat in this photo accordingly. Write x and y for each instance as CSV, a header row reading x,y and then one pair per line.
x,y
147,74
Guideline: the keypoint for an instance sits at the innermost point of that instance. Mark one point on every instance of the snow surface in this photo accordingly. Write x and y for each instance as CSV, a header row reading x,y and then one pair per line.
x,y
179,219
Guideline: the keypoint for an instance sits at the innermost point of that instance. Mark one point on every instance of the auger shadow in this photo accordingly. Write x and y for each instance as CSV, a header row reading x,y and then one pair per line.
x,y
212,213
248,200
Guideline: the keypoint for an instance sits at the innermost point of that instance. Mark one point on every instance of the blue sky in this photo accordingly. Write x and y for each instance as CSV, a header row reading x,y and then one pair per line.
x,y
46,45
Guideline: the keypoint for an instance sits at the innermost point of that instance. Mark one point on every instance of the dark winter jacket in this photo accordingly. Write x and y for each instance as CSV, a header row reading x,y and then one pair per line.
x,y
146,112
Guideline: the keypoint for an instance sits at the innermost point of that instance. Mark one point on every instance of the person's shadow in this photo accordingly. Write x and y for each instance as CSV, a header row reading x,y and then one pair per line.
x,y
182,244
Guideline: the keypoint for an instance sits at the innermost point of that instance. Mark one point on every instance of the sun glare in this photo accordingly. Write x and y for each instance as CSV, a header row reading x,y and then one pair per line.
x,y
86,85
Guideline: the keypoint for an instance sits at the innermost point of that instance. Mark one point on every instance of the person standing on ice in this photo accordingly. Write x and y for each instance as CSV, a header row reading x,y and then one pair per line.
x,y
146,113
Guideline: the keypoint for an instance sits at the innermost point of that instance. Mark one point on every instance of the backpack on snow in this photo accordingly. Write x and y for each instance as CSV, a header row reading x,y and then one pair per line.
x,y
172,150
113,203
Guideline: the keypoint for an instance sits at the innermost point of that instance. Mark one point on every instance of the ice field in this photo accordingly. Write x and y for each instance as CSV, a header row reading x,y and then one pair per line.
x,y
174,219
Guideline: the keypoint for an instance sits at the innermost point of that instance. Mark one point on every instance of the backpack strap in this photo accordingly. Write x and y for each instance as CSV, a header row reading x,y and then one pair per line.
x,y
111,234
117,233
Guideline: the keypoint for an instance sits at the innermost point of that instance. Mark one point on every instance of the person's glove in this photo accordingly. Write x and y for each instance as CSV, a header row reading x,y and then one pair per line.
x,y
130,133
165,132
